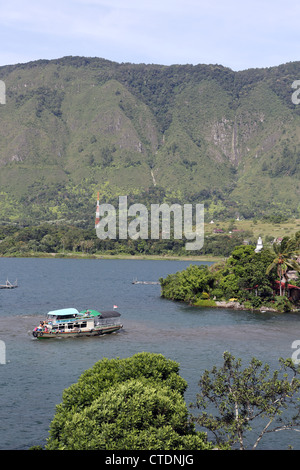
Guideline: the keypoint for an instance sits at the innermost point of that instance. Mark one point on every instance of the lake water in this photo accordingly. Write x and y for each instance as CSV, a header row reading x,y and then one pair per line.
x,y
36,372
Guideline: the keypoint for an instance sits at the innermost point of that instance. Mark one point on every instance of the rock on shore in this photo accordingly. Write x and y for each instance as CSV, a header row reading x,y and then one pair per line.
x,y
238,306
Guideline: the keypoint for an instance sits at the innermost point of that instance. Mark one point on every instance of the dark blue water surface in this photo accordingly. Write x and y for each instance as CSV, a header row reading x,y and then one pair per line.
x,y
36,372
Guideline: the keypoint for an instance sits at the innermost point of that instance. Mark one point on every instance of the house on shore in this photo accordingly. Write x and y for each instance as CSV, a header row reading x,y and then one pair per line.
x,y
293,292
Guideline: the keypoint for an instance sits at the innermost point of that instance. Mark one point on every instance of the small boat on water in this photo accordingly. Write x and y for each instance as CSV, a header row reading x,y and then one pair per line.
x,y
68,322
135,281
9,285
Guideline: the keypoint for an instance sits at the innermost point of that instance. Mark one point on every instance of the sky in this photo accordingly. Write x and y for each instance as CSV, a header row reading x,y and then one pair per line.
x,y
239,34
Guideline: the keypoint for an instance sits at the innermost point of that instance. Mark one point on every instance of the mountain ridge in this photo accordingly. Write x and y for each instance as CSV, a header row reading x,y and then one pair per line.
x,y
183,133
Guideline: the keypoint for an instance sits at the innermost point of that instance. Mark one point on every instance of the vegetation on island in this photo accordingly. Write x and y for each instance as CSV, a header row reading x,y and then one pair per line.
x,y
247,277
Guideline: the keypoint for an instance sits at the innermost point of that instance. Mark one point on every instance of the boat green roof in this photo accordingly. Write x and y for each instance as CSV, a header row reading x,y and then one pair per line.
x,y
103,314
94,313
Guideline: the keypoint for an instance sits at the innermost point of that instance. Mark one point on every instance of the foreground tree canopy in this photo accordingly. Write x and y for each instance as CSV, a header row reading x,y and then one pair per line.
x,y
137,404
134,403
240,400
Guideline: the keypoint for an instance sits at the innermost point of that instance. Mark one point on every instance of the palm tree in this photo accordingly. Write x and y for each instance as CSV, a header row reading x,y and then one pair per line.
x,y
284,259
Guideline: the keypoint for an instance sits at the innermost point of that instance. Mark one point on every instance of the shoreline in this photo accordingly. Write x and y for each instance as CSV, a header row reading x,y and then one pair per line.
x,y
236,305
209,259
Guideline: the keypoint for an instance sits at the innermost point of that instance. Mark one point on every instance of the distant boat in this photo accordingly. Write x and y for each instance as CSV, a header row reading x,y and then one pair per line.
x,y
135,281
9,285
68,322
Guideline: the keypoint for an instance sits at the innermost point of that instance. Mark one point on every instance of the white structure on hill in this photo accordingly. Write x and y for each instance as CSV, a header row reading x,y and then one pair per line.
x,y
259,245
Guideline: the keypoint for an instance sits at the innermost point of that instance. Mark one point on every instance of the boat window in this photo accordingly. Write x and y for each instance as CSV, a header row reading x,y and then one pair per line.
x,y
66,317
51,318
70,326
83,325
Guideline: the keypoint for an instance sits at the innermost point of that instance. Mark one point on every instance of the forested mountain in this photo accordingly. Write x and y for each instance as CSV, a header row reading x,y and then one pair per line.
x,y
203,134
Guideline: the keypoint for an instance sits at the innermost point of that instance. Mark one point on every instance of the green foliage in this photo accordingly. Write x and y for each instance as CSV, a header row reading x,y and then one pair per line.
x,y
64,239
188,284
284,253
247,276
251,398
243,270
107,372
134,403
131,415
288,163
204,303
282,304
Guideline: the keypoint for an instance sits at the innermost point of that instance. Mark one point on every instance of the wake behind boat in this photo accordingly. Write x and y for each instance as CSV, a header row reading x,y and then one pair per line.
x,y
69,322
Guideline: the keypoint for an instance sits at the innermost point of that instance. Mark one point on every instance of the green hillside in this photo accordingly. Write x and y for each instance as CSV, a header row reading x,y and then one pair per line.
x,y
74,126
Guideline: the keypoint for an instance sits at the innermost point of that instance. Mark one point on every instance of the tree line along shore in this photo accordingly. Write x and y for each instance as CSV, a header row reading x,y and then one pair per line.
x,y
61,239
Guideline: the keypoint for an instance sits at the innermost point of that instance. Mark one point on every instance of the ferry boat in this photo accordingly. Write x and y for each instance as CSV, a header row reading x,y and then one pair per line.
x,y
69,322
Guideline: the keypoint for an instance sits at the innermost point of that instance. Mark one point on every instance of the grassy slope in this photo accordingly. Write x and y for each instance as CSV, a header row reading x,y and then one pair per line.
x,y
259,228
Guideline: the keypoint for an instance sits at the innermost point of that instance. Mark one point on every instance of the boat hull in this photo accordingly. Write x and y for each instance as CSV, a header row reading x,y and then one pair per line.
x,y
99,331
